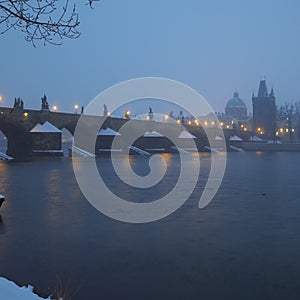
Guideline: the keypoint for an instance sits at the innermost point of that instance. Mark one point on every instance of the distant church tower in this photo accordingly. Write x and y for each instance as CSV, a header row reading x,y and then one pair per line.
x,y
264,111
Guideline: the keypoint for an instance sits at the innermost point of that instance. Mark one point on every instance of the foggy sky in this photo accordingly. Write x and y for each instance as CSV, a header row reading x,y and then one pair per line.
x,y
216,47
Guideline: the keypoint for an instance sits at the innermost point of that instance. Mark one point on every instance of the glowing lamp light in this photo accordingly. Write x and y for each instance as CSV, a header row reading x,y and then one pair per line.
x,y
25,114
277,133
178,121
127,113
212,123
281,130
245,129
222,124
286,130
205,123
293,129
227,126
189,122
54,107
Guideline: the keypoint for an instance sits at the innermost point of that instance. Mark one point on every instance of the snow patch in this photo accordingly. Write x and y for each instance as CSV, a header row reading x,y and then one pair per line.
x,y
46,127
108,131
10,291
235,138
186,135
153,134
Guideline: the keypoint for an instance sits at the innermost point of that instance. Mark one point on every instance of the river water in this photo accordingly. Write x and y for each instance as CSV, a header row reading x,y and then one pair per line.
x,y
244,245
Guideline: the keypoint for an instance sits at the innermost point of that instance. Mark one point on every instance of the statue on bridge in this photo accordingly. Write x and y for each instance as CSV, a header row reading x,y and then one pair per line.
x,y
45,104
150,114
19,103
105,111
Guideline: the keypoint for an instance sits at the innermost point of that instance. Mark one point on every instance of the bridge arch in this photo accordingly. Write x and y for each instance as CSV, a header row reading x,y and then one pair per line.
x,y
70,126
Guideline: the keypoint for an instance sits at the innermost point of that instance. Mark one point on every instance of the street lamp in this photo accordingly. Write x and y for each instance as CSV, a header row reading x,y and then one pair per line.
x,y
127,114
76,108
54,107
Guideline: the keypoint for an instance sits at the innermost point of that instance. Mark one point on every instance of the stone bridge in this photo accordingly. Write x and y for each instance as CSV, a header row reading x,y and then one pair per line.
x,y
17,122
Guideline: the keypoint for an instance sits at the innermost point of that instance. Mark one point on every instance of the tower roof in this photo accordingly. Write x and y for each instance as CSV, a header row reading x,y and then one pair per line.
x,y
262,90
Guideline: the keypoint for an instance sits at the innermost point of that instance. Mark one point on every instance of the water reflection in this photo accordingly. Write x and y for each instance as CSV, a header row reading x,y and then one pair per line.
x,y
48,228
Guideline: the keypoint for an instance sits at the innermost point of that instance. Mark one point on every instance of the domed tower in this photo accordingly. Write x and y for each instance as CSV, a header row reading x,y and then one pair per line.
x,y
236,108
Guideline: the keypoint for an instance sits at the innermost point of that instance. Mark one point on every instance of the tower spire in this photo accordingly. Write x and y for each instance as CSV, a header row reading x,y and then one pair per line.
x,y
262,90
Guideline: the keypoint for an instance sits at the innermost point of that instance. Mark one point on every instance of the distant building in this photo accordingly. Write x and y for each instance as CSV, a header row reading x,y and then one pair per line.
x,y
236,108
264,111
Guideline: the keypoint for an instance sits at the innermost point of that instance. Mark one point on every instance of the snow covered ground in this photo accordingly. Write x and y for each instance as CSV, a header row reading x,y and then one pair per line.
x,y
10,291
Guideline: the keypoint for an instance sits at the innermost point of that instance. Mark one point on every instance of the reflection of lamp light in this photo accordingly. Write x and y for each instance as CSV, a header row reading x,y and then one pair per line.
x,y
178,121
0,98
54,107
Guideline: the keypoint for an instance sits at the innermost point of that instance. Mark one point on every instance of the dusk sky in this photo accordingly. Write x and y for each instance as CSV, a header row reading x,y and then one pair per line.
x,y
216,47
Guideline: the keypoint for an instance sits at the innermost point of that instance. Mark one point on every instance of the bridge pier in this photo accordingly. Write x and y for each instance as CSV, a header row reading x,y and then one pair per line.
x,y
19,147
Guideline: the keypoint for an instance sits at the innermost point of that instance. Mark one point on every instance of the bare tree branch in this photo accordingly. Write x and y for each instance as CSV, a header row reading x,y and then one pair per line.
x,y
41,20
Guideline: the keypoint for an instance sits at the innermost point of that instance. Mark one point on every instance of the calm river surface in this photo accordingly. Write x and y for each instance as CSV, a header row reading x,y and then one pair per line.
x,y
244,245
